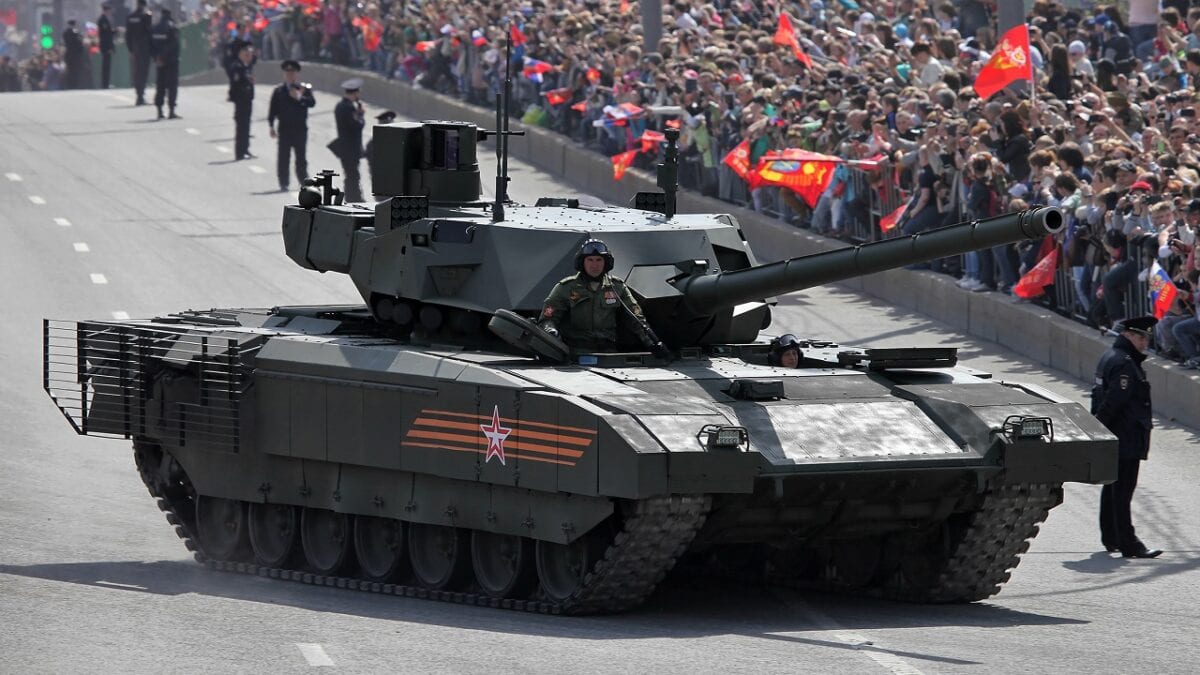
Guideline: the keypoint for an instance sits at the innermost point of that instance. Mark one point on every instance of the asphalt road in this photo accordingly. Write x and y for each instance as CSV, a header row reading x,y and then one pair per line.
x,y
106,213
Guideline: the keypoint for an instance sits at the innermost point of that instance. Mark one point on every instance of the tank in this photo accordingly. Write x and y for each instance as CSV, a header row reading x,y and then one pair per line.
x,y
434,442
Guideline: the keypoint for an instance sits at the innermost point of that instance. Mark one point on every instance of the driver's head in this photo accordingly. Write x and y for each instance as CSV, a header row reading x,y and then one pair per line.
x,y
594,259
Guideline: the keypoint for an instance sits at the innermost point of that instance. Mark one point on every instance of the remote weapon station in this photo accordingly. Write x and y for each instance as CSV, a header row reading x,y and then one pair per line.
x,y
436,442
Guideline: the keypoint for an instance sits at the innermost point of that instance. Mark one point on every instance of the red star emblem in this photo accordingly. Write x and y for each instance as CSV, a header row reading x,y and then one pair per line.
x,y
495,435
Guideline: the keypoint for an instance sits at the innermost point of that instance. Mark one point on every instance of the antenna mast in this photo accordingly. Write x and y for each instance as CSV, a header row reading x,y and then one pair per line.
x,y
502,132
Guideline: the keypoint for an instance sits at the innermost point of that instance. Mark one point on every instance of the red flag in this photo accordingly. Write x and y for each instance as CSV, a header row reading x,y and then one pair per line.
x,y
516,36
580,107
260,23
1009,63
558,96
807,178
786,35
1042,274
621,162
891,220
593,75
426,45
624,7
1162,290
738,159
651,138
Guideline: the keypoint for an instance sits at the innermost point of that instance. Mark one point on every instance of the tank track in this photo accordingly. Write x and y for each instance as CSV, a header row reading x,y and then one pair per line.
x,y
990,546
655,533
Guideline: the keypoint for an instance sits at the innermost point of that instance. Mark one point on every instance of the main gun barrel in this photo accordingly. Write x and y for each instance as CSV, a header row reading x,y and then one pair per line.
x,y
710,292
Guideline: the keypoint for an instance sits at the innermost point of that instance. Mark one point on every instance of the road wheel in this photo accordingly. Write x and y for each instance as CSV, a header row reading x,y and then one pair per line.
x,y
503,564
562,568
379,546
274,534
221,527
328,544
440,556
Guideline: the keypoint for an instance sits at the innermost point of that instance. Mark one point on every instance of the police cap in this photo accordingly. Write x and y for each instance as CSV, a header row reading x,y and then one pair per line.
x,y
385,117
1142,325
290,65
352,84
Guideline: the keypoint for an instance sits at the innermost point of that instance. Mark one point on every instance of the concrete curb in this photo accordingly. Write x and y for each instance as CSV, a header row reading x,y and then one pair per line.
x,y
1029,330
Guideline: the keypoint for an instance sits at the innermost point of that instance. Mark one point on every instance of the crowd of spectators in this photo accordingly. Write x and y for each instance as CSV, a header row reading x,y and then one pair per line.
x,y
1111,132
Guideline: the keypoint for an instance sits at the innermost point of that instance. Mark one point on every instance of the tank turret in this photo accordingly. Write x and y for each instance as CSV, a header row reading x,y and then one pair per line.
x,y
431,256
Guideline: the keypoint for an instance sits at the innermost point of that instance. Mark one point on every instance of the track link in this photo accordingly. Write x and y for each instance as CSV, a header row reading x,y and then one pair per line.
x,y
655,534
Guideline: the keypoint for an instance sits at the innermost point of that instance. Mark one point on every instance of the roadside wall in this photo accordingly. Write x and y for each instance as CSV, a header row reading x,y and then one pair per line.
x,y
1029,330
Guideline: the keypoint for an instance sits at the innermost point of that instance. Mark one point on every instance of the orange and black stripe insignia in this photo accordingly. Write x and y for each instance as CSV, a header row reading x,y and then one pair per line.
x,y
529,441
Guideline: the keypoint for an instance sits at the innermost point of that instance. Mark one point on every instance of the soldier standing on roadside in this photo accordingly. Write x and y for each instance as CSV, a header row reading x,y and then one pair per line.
x,y
73,55
104,27
137,41
1121,401
348,145
241,92
289,104
164,45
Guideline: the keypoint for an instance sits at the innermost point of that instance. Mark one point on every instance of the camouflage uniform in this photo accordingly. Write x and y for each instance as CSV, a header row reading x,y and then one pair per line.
x,y
585,318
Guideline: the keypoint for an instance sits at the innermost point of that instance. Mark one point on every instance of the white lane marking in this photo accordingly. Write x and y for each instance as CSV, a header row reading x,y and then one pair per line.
x,y
257,169
120,316
222,149
81,247
99,278
14,177
122,99
62,222
823,623
193,131
37,200
315,655
116,585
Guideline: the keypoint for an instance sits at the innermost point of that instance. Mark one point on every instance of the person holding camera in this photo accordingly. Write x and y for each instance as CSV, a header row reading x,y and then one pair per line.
x,y
289,105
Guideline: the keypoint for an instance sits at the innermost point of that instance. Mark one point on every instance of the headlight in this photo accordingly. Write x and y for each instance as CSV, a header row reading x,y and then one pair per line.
x,y
1019,427
723,437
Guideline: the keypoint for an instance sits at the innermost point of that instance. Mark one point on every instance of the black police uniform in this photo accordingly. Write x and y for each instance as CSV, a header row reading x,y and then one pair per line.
x,y
164,46
107,46
73,56
1121,401
137,41
349,117
292,132
241,92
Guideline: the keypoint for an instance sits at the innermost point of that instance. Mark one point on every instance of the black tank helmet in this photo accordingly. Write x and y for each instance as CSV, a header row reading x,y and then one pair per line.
x,y
780,345
594,247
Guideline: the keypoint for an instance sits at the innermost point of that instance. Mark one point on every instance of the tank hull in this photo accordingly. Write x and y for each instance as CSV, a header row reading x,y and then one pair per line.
x,y
308,412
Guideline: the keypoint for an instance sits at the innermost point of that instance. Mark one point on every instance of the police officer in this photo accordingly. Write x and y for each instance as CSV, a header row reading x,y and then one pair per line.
x,y
385,117
164,46
583,308
1121,401
784,351
348,114
73,56
289,104
137,41
241,92
104,27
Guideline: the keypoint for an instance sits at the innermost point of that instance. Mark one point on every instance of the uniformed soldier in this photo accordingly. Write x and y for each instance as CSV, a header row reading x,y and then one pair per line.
x,y
348,114
241,92
784,351
1121,401
289,104
73,56
164,46
583,308
385,117
104,26
137,41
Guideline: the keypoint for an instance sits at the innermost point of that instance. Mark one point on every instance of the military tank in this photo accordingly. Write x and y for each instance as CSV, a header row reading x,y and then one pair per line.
x,y
433,441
